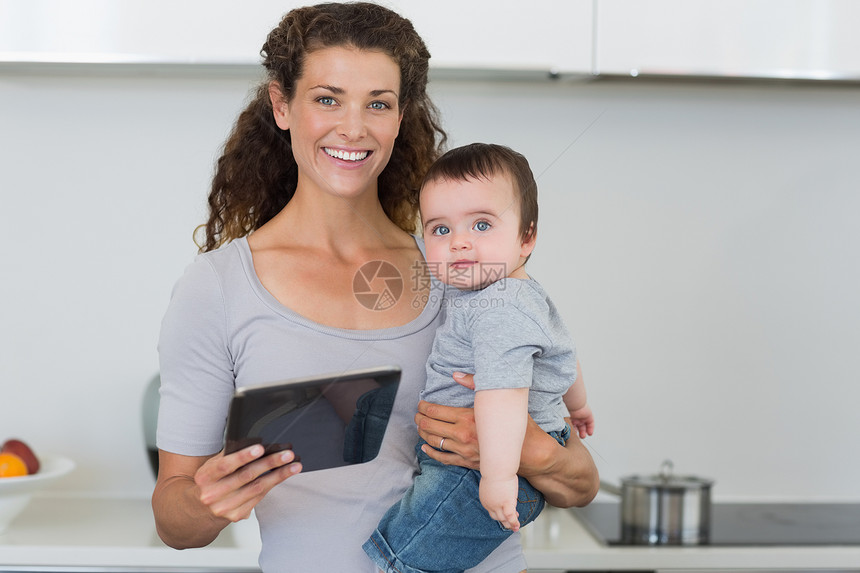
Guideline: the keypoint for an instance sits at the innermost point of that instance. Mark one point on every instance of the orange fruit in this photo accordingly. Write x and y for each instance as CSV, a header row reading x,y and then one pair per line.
x,y
24,452
12,466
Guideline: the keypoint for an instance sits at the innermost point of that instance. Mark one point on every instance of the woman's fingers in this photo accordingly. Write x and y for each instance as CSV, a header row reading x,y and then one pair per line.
x,y
446,421
239,503
221,465
437,412
231,485
456,425
450,458
464,379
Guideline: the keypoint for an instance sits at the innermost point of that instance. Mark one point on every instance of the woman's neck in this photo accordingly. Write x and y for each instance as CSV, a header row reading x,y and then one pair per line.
x,y
333,224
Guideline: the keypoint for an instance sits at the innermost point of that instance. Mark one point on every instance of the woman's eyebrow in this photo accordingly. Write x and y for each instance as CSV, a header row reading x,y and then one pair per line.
x,y
340,91
332,89
377,93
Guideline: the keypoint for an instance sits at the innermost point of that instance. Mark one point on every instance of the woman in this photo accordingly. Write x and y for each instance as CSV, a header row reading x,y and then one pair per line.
x,y
319,177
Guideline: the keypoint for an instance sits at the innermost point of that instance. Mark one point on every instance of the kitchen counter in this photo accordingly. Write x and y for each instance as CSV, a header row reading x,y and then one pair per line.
x,y
67,534
557,541
114,535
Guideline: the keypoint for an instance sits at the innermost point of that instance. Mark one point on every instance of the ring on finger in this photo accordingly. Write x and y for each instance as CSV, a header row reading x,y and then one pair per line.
x,y
442,445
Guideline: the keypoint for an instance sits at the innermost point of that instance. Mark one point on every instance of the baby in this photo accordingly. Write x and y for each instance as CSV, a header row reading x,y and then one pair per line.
x,y
479,213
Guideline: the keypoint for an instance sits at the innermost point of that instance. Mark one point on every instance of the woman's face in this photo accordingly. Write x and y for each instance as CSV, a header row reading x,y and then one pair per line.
x,y
343,119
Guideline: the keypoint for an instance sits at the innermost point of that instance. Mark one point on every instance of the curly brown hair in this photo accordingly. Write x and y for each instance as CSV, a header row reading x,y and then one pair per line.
x,y
256,174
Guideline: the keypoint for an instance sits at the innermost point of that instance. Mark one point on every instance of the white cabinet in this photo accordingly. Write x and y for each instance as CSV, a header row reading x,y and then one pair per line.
x,y
137,31
542,35
812,39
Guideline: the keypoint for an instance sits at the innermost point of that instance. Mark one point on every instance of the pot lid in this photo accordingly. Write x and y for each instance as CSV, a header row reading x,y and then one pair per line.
x,y
667,479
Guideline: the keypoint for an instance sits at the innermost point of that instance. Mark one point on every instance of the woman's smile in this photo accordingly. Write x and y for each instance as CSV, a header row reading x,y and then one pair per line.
x,y
345,155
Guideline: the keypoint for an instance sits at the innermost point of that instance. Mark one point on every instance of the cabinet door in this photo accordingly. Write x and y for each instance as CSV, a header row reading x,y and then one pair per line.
x,y
542,35
137,31
814,39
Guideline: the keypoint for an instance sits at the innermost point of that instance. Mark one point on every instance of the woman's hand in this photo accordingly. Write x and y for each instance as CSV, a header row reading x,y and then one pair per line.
x,y
455,425
196,497
566,475
231,485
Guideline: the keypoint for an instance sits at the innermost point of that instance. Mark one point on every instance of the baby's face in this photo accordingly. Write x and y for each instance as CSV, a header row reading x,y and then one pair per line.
x,y
472,231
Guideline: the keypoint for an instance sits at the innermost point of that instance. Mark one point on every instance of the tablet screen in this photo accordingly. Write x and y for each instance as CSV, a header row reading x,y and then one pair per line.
x,y
328,421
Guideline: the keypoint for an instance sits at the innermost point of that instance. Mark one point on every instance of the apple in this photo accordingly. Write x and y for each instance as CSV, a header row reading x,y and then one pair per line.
x,y
24,452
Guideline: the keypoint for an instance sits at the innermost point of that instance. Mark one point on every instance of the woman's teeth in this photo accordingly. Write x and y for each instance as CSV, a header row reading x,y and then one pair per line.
x,y
346,155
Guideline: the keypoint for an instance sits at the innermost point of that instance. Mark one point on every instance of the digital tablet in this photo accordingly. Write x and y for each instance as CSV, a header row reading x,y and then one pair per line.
x,y
329,421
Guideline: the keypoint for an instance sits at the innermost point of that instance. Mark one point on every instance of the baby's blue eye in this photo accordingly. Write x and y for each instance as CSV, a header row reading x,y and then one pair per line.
x,y
441,230
482,226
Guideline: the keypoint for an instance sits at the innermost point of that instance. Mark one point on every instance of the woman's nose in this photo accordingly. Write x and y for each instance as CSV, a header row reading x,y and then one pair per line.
x,y
352,126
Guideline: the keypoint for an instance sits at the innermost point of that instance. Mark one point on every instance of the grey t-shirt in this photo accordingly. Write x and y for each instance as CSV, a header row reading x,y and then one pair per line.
x,y
223,329
509,335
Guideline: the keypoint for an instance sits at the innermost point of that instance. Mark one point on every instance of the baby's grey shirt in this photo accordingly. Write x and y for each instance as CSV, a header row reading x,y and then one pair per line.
x,y
510,335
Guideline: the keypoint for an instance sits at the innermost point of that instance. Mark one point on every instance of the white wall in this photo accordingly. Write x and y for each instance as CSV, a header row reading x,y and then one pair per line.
x,y
699,238
702,242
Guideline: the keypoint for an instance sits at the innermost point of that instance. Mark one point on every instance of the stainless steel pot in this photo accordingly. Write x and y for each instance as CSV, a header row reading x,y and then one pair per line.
x,y
664,509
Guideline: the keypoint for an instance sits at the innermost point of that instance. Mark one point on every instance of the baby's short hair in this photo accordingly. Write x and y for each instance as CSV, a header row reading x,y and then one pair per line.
x,y
483,161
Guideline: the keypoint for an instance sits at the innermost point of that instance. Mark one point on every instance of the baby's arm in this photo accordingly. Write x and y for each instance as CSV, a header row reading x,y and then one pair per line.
x,y
501,416
577,404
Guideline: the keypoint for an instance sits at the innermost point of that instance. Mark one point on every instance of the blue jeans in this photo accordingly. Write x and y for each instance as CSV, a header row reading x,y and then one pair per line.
x,y
440,525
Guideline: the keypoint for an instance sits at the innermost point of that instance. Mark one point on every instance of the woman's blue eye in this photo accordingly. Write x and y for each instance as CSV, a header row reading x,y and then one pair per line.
x,y
325,100
379,105
441,230
482,226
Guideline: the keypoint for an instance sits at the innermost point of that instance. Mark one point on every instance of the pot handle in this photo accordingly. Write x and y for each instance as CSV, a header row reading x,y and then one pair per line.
x,y
666,470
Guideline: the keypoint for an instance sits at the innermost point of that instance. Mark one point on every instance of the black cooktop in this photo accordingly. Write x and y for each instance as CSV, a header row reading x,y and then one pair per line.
x,y
751,523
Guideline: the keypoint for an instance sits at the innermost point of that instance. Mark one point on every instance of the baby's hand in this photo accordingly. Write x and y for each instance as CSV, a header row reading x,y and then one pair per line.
x,y
499,498
583,421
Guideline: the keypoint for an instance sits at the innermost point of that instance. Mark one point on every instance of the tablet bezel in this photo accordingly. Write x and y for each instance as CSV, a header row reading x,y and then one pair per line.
x,y
239,410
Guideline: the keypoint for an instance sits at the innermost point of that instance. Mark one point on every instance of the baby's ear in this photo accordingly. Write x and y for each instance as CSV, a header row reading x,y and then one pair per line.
x,y
529,240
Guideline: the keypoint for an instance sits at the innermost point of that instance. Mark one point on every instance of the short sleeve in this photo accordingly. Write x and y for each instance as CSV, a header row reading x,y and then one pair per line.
x,y
196,368
505,342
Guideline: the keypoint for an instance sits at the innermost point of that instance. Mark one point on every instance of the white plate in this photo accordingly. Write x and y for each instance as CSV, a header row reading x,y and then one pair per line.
x,y
15,492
